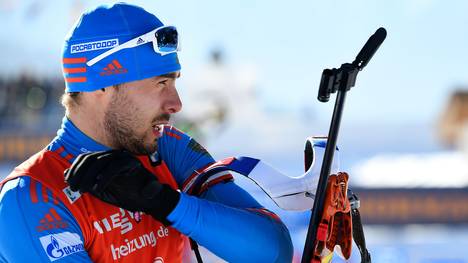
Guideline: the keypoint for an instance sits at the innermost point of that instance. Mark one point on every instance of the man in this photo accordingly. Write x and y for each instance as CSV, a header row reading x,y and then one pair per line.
x,y
120,158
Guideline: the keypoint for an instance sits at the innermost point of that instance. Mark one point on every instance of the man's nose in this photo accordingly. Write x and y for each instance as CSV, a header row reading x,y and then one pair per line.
x,y
173,104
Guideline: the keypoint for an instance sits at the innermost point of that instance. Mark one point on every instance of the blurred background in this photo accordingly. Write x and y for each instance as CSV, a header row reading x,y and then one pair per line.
x,y
250,77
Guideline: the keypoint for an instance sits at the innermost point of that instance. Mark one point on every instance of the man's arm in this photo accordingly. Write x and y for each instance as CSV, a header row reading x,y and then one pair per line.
x,y
226,220
35,226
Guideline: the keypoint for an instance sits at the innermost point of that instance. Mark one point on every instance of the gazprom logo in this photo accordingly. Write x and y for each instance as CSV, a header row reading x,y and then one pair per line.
x,y
91,46
61,245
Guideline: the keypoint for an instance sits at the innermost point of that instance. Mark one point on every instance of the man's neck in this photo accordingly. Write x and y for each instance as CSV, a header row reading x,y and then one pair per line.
x,y
71,141
90,125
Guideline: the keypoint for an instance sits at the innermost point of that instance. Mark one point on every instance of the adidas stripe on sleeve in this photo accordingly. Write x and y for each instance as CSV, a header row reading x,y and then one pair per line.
x,y
36,227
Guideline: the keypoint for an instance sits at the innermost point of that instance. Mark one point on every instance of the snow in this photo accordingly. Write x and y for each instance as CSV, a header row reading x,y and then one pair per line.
x,y
441,169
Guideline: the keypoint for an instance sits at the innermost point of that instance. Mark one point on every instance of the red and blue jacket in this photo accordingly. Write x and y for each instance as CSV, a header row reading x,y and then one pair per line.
x,y
41,220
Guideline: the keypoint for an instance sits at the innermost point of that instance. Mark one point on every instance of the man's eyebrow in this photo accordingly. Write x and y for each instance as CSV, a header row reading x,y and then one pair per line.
x,y
172,75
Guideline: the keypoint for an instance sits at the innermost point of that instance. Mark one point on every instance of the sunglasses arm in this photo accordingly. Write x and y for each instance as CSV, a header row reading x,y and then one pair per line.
x,y
129,44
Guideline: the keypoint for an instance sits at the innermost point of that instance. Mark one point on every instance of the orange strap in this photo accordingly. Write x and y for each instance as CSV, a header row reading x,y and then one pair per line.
x,y
335,225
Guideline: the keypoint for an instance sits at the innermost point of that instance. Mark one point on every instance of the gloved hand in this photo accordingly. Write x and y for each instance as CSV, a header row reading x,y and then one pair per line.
x,y
119,178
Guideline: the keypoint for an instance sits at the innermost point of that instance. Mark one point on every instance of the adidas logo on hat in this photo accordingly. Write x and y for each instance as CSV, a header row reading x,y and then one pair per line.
x,y
113,68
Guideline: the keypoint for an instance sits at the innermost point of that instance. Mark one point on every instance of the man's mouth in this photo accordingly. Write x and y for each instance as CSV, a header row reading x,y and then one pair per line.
x,y
158,124
158,129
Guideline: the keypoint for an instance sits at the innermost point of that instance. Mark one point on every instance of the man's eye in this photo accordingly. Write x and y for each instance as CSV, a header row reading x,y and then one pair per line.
x,y
163,82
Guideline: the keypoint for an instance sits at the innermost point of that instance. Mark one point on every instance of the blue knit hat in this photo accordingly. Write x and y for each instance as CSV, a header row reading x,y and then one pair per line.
x,y
102,29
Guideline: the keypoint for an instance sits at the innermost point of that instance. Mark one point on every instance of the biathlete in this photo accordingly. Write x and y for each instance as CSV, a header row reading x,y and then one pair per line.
x,y
117,182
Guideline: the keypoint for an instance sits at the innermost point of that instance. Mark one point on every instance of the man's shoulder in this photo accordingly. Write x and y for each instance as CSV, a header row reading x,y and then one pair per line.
x,y
10,187
26,198
178,138
19,170
15,191
20,186
43,167
40,158
36,164
173,132
31,216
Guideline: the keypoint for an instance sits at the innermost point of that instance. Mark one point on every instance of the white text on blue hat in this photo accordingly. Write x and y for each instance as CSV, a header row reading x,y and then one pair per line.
x,y
90,46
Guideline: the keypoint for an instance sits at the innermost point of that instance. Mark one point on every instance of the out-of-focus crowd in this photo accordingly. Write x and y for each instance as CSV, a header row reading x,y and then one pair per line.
x,y
28,104
30,114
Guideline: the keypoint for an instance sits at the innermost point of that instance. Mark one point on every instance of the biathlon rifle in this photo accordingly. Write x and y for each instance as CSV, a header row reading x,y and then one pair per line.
x,y
335,216
330,223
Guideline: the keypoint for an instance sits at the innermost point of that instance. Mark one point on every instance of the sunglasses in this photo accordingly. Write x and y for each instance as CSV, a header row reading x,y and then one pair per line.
x,y
165,41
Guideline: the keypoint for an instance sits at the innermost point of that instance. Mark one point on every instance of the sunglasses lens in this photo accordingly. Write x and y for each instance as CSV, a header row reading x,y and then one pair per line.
x,y
167,39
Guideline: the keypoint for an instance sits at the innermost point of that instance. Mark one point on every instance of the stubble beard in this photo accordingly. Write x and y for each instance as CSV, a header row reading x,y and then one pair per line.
x,y
120,122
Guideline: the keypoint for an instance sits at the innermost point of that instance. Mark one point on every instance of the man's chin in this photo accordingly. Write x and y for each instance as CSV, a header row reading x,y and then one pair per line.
x,y
148,149
152,147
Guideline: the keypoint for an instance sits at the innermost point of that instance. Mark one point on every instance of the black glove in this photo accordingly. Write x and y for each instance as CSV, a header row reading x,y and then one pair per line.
x,y
119,178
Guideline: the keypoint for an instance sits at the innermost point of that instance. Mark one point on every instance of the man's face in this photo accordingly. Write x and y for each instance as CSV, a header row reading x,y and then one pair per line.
x,y
137,111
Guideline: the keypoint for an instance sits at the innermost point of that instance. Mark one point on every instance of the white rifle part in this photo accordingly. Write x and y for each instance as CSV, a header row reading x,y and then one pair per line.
x,y
294,193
